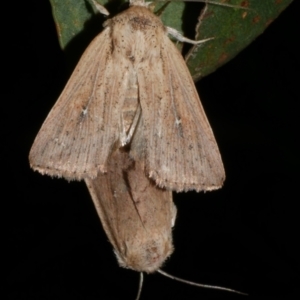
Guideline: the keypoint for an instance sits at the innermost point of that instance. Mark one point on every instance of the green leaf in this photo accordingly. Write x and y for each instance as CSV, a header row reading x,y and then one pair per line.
x,y
77,22
71,17
233,29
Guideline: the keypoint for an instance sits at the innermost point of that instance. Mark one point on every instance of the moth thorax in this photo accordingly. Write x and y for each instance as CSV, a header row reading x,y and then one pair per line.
x,y
136,34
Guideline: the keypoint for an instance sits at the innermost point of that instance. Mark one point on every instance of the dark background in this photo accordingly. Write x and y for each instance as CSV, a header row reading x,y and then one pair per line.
x,y
245,236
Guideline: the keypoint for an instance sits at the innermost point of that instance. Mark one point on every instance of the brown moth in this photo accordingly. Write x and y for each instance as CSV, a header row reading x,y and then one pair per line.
x,y
86,125
136,215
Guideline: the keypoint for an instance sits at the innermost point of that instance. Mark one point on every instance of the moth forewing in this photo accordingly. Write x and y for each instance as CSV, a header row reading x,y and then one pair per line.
x,y
186,155
81,129
136,215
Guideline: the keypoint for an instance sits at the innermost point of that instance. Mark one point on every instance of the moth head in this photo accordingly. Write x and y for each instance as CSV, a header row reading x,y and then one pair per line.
x,y
144,256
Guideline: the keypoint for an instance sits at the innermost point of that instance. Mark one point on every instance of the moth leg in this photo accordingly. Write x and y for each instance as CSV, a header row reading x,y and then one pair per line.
x,y
173,214
178,36
126,137
134,123
102,10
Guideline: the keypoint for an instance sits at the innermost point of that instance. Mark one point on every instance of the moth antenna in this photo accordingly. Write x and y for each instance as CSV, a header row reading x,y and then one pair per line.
x,y
178,36
100,8
139,2
210,2
140,286
206,286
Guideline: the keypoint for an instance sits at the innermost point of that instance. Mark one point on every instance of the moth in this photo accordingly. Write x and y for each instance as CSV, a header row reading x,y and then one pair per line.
x,y
86,125
136,215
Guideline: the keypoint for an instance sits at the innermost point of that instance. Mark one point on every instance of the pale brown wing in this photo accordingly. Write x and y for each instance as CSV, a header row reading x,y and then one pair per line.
x,y
82,127
181,151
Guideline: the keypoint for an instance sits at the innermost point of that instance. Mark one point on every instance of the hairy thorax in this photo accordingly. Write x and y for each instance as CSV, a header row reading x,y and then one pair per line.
x,y
136,34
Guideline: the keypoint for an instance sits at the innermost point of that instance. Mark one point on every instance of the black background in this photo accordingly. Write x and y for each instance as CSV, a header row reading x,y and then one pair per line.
x,y
245,236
